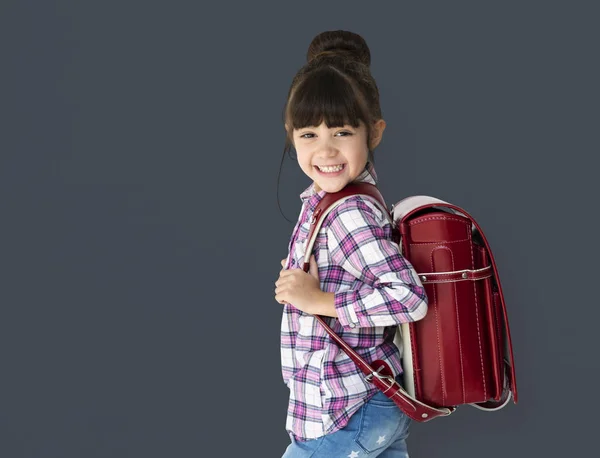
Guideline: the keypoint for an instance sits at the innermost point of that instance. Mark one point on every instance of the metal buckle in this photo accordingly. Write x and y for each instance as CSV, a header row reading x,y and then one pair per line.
x,y
387,378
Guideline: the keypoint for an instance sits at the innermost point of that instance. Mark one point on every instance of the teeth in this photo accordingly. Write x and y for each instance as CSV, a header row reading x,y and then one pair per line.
x,y
336,168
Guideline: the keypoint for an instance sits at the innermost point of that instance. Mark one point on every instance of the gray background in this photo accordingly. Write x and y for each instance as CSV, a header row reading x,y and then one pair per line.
x,y
140,236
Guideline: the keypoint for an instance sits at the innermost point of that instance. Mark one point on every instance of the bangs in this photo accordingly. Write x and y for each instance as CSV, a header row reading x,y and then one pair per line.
x,y
326,95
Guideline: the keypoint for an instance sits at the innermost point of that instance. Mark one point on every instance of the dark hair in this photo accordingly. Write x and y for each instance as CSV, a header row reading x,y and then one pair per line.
x,y
335,85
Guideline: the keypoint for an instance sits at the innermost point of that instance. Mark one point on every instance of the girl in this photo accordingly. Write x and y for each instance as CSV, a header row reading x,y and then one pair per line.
x,y
358,277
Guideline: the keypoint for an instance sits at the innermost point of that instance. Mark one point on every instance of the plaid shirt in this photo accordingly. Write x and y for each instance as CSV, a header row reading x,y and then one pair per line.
x,y
374,287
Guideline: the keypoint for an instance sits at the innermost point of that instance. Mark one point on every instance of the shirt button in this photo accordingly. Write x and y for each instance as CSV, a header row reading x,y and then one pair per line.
x,y
293,262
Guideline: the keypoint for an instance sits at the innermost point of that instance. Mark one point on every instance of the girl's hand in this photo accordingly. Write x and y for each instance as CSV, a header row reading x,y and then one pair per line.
x,y
298,288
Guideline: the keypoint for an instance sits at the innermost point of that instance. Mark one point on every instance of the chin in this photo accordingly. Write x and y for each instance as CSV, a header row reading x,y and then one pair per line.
x,y
331,188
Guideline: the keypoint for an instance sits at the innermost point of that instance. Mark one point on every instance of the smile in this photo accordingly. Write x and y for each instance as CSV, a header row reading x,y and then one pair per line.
x,y
331,170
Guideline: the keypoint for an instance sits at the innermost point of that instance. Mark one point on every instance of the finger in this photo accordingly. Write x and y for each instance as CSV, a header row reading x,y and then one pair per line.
x,y
289,277
279,288
283,262
280,282
279,298
283,281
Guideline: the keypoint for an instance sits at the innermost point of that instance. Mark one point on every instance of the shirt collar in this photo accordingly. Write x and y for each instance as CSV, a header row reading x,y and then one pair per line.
x,y
309,195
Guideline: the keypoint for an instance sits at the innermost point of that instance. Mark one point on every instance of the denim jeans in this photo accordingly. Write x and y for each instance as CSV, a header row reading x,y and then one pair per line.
x,y
378,429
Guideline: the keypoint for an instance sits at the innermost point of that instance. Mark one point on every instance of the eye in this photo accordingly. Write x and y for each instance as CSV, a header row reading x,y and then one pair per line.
x,y
343,132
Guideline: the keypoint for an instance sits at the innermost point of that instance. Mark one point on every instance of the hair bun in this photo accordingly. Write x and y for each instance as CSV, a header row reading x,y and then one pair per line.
x,y
339,43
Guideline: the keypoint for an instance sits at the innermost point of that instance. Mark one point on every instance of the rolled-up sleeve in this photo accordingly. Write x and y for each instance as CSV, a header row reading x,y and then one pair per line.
x,y
360,243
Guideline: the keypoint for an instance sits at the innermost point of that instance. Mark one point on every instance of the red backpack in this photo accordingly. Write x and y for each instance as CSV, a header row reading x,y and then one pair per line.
x,y
461,351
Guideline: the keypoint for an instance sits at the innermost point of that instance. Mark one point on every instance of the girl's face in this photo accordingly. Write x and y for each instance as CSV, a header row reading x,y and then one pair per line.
x,y
331,157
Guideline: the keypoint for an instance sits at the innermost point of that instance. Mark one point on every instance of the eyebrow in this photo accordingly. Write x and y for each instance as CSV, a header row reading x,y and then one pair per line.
x,y
346,126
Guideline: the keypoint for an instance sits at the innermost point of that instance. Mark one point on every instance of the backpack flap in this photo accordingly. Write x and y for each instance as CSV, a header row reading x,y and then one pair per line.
x,y
473,364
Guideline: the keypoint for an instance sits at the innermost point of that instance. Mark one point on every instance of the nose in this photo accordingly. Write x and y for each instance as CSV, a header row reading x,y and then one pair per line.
x,y
327,152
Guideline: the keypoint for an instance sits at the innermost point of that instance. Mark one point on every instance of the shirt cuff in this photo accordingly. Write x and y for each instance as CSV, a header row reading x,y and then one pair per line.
x,y
343,302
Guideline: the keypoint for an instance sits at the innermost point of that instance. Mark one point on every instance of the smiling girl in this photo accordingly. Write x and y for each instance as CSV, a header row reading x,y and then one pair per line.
x,y
358,279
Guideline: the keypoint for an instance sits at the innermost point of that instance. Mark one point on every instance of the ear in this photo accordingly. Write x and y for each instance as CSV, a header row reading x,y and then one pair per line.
x,y
377,133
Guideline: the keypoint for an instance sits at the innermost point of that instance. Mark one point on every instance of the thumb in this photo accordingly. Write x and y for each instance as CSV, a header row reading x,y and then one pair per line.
x,y
314,268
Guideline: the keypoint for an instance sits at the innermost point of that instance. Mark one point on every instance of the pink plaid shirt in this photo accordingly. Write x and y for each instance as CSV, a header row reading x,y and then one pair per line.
x,y
375,288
